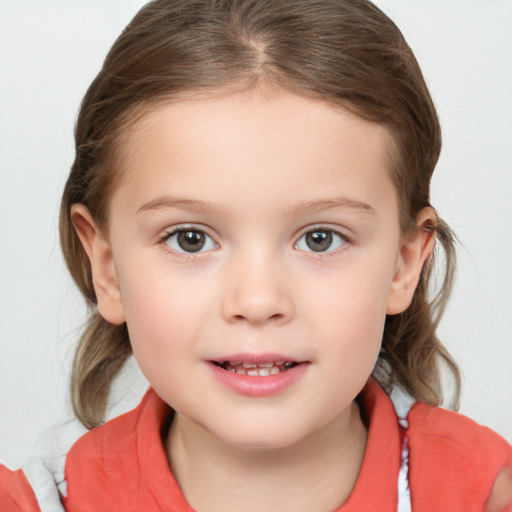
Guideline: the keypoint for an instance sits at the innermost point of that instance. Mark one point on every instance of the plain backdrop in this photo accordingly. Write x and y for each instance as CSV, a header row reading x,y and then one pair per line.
x,y
51,50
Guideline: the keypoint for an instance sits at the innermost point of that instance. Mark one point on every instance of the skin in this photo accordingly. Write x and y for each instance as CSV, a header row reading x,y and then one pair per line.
x,y
257,172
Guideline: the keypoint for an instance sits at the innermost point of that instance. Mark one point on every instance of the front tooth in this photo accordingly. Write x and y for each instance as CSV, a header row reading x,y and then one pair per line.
x,y
252,373
265,365
264,372
241,371
249,365
274,370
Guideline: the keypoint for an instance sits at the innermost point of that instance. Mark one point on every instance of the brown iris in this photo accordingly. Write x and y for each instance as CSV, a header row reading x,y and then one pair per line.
x,y
319,240
191,241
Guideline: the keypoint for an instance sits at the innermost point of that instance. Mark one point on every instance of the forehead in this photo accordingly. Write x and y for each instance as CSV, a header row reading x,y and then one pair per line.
x,y
255,144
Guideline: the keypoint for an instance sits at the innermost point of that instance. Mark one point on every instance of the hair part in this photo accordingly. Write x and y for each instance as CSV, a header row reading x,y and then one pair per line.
x,y
343,52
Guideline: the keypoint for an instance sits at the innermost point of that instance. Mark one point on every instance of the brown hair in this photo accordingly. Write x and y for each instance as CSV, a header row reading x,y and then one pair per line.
x,y
344,52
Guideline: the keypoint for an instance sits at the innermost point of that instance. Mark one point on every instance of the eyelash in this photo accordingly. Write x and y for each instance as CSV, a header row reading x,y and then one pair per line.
x,y
192,229
319,228
184,229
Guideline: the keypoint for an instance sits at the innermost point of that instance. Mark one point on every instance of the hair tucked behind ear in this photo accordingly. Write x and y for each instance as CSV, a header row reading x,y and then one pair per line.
x,y
346,53
411,351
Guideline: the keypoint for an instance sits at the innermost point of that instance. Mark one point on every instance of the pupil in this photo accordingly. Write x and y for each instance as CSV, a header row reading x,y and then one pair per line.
x,y
319,241
191,241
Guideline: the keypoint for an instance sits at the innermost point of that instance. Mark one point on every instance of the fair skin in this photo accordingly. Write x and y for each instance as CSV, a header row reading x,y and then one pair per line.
x,y
294,253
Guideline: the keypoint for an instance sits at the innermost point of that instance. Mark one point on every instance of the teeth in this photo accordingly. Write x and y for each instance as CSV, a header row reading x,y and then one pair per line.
x,y
256,369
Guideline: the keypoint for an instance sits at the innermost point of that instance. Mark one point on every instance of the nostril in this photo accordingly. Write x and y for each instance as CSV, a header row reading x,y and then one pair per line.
x,y
256,308
276,317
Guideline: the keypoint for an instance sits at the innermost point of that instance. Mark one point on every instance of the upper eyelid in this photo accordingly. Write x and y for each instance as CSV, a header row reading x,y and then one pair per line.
x,y
168,232
322,227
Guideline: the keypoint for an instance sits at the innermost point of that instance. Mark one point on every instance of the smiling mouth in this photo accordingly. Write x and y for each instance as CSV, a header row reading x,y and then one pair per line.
x,y
255,369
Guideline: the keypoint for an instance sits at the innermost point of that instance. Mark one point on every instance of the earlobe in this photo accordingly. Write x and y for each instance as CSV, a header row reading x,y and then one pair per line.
x,y
413,254
104,276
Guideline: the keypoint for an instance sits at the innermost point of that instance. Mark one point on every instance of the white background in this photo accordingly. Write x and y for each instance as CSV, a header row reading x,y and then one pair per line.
x,y
51,50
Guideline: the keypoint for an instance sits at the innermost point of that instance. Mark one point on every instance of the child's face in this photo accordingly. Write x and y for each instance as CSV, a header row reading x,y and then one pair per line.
x,y
289,251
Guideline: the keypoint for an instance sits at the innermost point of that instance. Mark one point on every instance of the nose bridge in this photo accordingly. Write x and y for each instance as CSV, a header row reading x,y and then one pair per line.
x,y
257,290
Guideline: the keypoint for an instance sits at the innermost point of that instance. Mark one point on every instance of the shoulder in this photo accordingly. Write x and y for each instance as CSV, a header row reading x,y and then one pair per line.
x,y
454,433
16,494
105,448
110,464
453,459
40,481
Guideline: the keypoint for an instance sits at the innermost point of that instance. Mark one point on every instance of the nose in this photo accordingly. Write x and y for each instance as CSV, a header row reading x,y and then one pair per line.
x,y
257,292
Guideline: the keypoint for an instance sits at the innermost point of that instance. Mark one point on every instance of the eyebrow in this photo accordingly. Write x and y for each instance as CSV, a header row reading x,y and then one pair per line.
x,y
301,208
304,207
191,205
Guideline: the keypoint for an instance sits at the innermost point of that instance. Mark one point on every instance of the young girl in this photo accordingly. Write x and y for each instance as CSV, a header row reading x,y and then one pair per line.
x,y
248,214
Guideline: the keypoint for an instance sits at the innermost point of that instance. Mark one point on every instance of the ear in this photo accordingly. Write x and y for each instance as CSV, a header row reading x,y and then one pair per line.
x,y
414,251
104,276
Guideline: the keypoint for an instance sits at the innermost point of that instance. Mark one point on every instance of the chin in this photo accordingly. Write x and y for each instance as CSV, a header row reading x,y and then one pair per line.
x,y
261,437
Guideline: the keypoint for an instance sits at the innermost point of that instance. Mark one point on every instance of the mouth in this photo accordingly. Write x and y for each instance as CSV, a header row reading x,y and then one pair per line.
x,y
258,375
256,369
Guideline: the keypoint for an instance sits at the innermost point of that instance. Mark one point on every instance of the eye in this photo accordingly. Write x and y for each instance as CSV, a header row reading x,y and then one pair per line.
x,y
320,240
187,240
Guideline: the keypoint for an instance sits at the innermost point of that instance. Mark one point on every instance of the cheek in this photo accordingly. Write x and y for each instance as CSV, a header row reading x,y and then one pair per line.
x,y
352,312
358,292
161,314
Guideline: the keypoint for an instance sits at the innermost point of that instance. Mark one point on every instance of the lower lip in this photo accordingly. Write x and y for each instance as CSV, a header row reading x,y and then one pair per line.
x,y
258,386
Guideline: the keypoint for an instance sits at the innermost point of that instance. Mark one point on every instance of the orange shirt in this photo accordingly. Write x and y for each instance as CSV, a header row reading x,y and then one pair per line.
x,y
122,464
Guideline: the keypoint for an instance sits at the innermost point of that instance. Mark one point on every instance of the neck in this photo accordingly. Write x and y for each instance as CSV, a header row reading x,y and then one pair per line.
x,y
316,474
